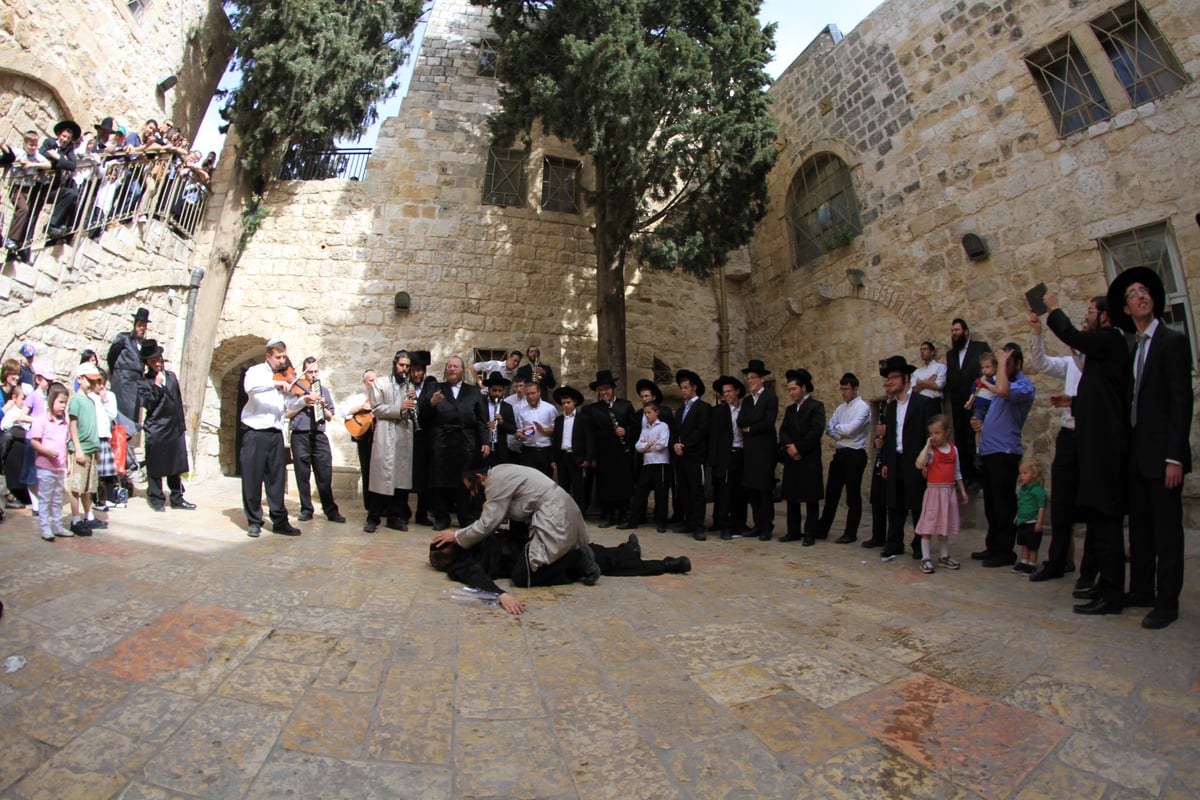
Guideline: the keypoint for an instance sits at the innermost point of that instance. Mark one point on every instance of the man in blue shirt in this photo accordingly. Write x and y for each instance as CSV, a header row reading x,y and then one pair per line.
x,y
1000,447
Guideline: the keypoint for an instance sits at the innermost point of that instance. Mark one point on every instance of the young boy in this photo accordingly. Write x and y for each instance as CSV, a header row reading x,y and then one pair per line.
x,y
83,446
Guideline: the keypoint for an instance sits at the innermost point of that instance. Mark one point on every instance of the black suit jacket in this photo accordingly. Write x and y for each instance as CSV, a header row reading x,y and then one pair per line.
x,y
960,381
457,429
692,432
1164,404
579,444
921,409
802,427
720,438
505,427
759,441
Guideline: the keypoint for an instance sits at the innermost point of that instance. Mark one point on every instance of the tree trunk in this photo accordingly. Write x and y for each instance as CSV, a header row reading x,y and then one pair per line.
x,y
610,314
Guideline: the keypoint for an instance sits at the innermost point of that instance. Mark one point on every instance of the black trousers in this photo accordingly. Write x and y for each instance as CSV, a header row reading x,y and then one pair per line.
x,y
1156,541
846,470
443,500
651,476
762,504
1000,501
964,437
537,458
729,498
1106,546
570,478
263,463
365,446
311,456
154,490
896,513
1064,477
63,214
796,509
689,490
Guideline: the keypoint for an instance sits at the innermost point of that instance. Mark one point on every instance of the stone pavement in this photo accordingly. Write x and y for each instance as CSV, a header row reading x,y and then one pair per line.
x,y
173,657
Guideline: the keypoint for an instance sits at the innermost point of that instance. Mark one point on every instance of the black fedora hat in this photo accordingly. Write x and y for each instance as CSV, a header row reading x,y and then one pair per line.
x,y
496,379
802,377
692,378
1120,285
568,391
728,380
757,367
105,125
69,125
604,378
895,364
646,384
150,349
142,315
421,358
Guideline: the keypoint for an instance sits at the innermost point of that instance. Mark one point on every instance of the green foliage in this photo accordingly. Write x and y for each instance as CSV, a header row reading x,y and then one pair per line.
x,y
312,70
668,97
254,211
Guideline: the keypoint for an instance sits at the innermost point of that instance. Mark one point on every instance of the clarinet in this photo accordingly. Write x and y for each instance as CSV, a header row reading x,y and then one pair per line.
x,y
406,387
616,425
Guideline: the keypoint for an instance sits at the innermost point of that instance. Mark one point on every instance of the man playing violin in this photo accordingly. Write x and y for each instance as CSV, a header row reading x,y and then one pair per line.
x,y
268,389
310,447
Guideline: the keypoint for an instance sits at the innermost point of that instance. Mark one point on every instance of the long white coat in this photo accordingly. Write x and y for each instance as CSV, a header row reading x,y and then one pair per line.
x,y
392,451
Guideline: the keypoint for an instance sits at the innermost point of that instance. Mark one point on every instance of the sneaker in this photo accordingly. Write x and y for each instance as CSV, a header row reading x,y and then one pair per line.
x,y
948,562
1019,568
926,566
64,534
48,536
80,528
96,524
101,507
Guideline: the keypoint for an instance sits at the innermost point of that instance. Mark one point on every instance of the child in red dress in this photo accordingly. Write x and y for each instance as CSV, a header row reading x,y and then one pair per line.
x,y
939,511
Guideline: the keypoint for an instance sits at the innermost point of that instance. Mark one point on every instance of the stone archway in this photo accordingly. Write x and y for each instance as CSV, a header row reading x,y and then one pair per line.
x,y
230,360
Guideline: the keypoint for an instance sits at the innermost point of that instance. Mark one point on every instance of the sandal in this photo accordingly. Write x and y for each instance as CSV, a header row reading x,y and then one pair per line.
x,y
926,566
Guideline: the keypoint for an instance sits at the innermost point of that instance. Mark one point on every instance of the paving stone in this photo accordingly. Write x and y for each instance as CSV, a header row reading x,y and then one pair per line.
x,y
291,775
66,705
97,763
797,728
269,683
22,754
508,758
330,723
414,717
296,647
150,714
356,665
1119,764
1053,781
870,772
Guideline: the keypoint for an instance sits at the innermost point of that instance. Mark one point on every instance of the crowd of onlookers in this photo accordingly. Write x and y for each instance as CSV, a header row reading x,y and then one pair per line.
x,y
114,174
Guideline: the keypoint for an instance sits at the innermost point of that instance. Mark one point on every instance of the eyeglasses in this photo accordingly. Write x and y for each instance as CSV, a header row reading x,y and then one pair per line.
x,y
1137,291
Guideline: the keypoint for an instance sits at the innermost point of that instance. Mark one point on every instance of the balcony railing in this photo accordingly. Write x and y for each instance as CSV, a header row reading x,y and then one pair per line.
x,y
45,209
319,165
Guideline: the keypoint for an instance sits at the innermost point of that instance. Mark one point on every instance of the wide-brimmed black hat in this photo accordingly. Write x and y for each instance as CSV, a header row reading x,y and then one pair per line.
x,y
142,315
647,384
1116,295
69,125
421,358
568,391
728,380
496,379
895,364
604,378
150,349
802,377
105,125
692,378
757,367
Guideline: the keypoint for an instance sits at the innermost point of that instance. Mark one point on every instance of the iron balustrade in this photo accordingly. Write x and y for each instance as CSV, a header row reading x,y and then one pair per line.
x,y
318,165
42,209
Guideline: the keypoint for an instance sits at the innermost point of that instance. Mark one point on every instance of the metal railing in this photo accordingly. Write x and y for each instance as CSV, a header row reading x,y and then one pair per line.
x,y
47,208
319,165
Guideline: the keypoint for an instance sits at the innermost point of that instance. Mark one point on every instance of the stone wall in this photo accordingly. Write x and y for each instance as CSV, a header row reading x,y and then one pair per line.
x,y
945,132
94,59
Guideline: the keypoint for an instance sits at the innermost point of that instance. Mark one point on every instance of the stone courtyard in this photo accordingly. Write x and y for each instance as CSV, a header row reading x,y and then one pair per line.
x,y
173,657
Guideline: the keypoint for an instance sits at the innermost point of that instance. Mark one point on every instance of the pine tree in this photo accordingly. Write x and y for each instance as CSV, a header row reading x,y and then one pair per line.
x,y
668,99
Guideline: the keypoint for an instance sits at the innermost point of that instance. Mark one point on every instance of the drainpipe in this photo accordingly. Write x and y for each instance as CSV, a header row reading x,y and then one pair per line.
x,y
722,321
193,291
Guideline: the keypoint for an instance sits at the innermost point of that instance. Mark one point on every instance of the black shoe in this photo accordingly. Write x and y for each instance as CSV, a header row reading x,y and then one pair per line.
x,y
1137,600
1090,593
791,537
845,538
254,531
681,529
816,535
677,566
80,528
371,525
726,536
1099,606
807,541
397,524
161,509
634,544
630,526
1157,619
891,552
423,521
1083,582
661,529
96,524
184,504
591,577
980,555
606,523
305,516
700,536
869,543
992,562
340,518
55,231
1046,573
286,529
766,536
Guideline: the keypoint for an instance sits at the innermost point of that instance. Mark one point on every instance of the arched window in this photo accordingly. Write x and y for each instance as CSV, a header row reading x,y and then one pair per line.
x,y
822,212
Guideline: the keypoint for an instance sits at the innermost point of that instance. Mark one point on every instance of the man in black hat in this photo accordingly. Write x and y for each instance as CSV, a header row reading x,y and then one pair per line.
x,y
614,429
726,451
848,427
60,151
501,421
1161,417
454,415
536,371
690,449
311,454
125,370
570,445
756,420
906,423
165,429
800,450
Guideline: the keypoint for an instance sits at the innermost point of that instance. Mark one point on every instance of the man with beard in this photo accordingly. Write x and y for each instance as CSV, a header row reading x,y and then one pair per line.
x,y
500,419
962,368
165,429
614,428
394,404
455,417
311,455
125,371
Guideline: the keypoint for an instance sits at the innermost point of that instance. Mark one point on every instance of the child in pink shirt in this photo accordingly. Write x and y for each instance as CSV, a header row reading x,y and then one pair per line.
x,y
48,437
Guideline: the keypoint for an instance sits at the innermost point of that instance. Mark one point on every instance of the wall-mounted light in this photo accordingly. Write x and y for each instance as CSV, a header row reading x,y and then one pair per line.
x,y
403,301
856,277
167,84
976,249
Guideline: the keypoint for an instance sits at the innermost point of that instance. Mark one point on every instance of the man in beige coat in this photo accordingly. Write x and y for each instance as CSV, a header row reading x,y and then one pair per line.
x,y
393,402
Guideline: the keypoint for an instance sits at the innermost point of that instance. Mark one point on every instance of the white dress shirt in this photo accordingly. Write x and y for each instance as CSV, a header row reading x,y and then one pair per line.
x,y
936,370
265,404
848,425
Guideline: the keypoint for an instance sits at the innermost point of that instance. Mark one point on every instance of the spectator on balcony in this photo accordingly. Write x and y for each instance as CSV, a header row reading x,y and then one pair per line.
x,y
186,210
60,151
27,193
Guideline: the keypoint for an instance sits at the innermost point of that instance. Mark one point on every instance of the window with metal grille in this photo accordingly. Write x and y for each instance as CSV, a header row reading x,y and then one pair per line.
x,y
663,374
481,354
136,7
1068,87
560,185
488,54
1153,246
822,211
1141,57
504,184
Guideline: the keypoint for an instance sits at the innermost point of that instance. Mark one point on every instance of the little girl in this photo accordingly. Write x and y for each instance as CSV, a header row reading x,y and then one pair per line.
x,y
1031,512
943,474
48,436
